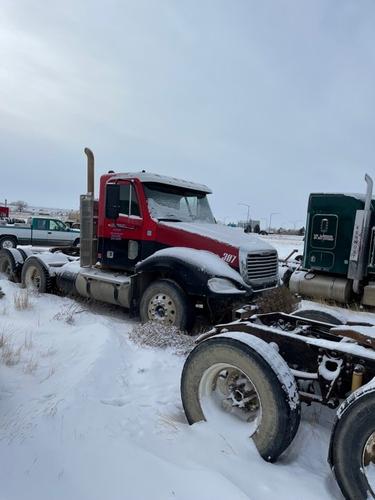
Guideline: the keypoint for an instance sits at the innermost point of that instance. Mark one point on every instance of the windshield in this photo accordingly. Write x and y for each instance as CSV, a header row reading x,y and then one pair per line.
x,y
177,204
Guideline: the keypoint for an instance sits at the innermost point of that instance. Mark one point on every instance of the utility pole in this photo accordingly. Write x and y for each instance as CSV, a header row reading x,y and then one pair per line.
x,y
248,211
271,214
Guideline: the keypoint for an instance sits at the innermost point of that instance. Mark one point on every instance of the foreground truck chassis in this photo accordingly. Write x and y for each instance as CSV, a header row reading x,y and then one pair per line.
x,y
258,369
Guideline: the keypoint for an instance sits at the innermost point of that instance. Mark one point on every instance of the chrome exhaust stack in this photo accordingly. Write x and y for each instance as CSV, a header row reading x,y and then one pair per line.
x,y
88,217
359,248
90,171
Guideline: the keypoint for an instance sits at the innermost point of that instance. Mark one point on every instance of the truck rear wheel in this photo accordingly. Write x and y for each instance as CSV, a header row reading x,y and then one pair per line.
x,y
35,276
8,265
8,242
318,315
224,378
165,301
352,453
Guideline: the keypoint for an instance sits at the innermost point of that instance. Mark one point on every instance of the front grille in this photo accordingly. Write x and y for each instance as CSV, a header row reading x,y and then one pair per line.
x,y
262,267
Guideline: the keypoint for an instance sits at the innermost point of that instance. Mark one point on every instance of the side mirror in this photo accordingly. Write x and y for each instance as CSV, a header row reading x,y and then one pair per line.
x,y
112,204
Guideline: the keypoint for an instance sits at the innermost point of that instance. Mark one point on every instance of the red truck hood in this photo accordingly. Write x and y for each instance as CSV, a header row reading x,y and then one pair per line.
x,y
223,234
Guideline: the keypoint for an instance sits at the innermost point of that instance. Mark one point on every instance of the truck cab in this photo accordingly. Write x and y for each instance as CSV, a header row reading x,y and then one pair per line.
x,y
339,251
142,213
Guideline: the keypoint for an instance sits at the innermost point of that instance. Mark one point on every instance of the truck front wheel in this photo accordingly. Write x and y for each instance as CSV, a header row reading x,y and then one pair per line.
x,y
165,301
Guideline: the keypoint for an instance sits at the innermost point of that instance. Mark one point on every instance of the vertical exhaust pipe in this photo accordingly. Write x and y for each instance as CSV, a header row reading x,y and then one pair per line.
x,y
88,239
90,171
358,260
370,185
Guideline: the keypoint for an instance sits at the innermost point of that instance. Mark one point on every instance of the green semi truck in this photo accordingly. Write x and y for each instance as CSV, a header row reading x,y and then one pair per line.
x,y
339,254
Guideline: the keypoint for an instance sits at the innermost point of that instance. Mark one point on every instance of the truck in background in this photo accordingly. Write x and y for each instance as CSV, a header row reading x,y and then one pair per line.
x,y
39,231
338,261
4,212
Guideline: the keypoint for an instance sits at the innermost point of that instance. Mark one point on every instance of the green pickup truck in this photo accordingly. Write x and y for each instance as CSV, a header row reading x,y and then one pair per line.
x,y
38,231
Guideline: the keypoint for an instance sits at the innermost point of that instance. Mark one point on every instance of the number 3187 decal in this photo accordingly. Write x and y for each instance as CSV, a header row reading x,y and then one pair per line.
x,y
228,257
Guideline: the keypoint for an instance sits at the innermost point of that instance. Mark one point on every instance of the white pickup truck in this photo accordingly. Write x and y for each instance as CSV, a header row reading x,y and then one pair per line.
x,y
40,231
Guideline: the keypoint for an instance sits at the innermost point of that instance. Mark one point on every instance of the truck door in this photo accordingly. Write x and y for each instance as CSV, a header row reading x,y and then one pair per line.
x,y
123,248
321,254
39,232
58,233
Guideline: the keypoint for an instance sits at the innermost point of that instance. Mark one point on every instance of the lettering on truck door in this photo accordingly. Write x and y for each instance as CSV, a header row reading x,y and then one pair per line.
x,y
124,246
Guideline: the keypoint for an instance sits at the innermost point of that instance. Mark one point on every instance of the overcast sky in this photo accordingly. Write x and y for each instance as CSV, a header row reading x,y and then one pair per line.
x,y
264,101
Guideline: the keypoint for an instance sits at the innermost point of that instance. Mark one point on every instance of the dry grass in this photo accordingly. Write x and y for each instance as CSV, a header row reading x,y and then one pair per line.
x,y
30,366
155,334
67,313
277,299
22,300
3,340
12,348
28,342
10,354
4,311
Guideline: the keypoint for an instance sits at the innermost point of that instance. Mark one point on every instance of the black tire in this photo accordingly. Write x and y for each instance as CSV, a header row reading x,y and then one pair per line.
x,y
280,416
76,242
352,432
286,277
166,302
316,315
8,242
9,266
36,276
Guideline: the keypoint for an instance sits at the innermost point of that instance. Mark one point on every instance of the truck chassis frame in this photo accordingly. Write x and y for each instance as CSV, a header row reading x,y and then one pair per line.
x,y
260,367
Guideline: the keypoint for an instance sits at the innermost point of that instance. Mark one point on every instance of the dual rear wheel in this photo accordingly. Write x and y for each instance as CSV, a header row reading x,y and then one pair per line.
x,y
242,387
35,276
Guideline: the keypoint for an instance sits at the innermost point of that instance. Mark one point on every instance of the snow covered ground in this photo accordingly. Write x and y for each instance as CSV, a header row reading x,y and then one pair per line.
x,y
86,414
285,244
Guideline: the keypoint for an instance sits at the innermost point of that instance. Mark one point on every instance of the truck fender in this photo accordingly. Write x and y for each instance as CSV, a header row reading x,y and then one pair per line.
x,y
16,259
50,261
193,269
364,391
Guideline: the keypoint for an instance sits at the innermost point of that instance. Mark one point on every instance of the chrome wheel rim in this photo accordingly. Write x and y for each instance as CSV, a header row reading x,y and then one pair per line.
x,y
32,278
368,462
226,394
162,308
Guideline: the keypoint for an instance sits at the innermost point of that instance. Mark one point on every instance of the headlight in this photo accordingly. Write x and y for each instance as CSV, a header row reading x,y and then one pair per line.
x,y
223,285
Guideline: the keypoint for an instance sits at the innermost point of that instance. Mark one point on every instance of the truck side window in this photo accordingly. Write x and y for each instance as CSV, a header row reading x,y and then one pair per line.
x,y
41,224
56,225
128,200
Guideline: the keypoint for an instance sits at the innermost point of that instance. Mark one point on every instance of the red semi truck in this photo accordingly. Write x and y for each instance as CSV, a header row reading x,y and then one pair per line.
x,y
4,212
151,244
